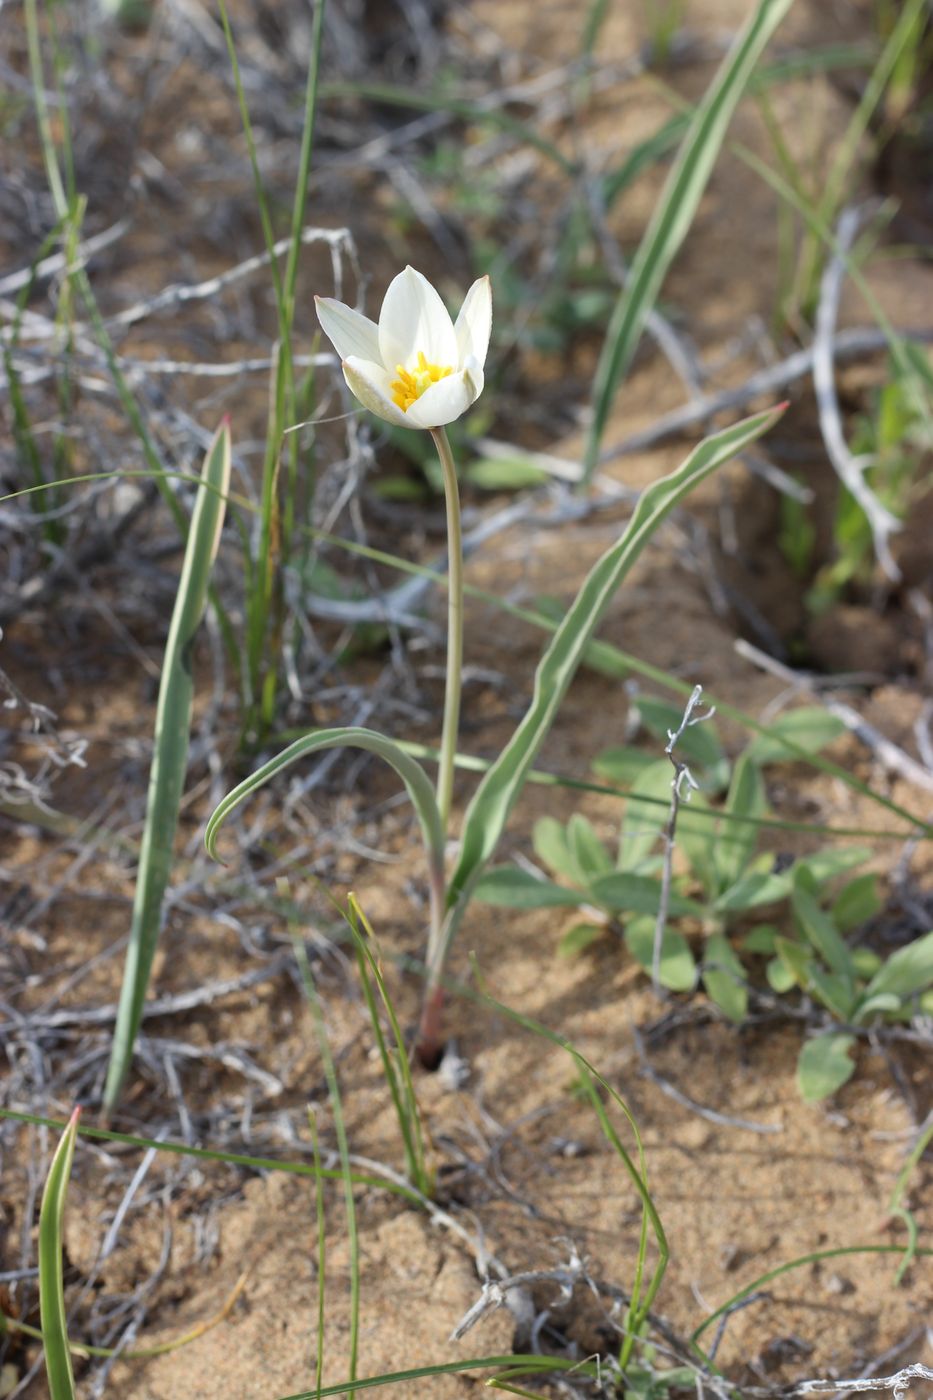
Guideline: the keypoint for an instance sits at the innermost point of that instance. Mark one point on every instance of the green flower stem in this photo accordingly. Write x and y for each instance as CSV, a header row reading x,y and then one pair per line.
x,y
430,1043
445,776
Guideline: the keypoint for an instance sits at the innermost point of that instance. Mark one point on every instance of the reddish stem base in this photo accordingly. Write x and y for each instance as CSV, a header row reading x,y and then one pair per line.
x,y
429,1047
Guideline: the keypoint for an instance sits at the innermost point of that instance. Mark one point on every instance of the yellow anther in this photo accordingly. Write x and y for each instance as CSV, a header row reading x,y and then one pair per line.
x,y
411,383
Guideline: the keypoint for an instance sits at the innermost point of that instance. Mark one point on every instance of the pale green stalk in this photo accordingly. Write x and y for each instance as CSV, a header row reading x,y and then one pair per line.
x,y
52,170
170,756
674,213
493,800
321,1251
454,682
51,1287
275,528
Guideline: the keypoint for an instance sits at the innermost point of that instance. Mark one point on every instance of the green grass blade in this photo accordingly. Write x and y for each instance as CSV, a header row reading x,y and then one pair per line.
x,y
898,344
468,763
532,1365
343,1148
896,1206
321,1224
51,1289
371,1180
674,214
903,36
24,439
170,755
838,1252
264,610
401,1084
592,1081
499,789
416,781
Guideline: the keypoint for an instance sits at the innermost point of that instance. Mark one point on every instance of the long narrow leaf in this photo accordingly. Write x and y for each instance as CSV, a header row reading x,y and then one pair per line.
x,y
497,793
416,781
170,755
674,213
371,1180
51,1289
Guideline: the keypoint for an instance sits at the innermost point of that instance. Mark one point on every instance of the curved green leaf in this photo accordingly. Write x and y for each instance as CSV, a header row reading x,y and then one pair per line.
x,y
750,891
724,978
644,821
549,840
589,852
824,1065
810,727
820,931
905,972
736,841
499,789
511,888
677,966
416,781
674,213
51,1289
625,893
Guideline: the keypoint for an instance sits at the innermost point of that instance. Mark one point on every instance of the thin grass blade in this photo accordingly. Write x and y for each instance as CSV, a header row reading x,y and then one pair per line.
x,y
499,789
170,755
51,1288
370,1180
674,213
401,1084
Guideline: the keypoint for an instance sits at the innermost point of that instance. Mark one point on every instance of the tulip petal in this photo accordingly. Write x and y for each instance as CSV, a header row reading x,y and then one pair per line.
x,y
473,325
349,331
445,400
371,385
413,318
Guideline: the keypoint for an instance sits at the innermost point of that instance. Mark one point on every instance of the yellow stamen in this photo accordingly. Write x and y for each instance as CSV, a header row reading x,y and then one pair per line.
x,y
411,383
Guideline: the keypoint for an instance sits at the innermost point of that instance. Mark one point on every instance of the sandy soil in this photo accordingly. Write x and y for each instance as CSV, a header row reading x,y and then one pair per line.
x,y
523,1168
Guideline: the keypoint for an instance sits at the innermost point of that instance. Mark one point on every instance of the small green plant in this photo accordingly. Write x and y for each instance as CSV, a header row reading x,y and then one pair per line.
x,y
417,369
726,882
894,437
855,985
725,873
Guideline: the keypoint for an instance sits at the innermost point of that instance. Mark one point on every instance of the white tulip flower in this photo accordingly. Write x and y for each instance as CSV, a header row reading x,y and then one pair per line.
x,y
417,368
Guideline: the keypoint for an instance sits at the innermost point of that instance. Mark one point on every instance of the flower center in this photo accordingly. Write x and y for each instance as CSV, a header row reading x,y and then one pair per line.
x,y
411,383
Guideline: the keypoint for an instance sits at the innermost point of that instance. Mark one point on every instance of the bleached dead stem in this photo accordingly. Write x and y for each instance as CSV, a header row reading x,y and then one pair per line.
x,y
847,345
849,468
891,757
899,1383
681,787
